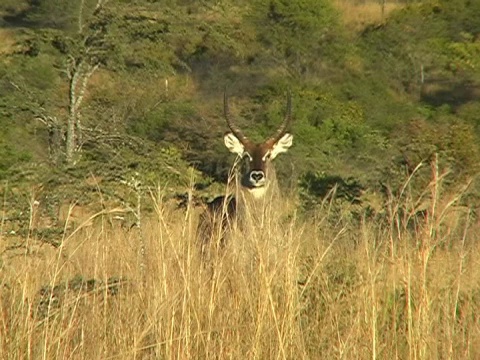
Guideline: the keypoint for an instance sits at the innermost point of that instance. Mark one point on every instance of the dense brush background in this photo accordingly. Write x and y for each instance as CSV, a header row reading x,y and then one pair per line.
x,y
373,250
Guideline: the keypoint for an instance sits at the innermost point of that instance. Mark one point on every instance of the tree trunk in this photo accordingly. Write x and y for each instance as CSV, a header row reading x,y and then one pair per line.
x,y
78,84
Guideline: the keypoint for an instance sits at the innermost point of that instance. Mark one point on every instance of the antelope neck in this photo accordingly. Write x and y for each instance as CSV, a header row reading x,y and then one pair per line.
x,y
257,192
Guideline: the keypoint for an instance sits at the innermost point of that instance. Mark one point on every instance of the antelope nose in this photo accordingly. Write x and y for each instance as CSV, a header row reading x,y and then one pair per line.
x,y
257,176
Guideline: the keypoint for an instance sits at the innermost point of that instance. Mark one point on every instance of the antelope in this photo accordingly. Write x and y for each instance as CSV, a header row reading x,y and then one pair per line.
x,y
254,187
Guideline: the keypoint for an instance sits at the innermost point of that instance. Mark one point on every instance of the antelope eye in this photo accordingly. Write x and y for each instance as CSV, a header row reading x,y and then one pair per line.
x,y
248,156
266,156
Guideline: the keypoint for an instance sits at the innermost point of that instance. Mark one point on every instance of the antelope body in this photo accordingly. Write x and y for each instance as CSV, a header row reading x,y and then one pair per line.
x,y
254,188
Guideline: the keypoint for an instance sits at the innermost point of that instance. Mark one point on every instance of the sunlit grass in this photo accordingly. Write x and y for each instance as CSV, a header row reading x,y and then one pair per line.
x,y
7,41
297,288
356,15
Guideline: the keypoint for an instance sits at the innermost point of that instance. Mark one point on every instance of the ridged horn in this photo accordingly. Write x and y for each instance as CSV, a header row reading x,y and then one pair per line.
x,y
282,130
235,129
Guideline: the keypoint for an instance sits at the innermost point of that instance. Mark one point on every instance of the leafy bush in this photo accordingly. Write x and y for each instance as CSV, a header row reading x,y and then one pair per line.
x,y
280,25
317,188
429,41
9,157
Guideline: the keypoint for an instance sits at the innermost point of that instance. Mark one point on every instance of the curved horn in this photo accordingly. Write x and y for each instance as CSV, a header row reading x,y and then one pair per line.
x,y
235,129
282,130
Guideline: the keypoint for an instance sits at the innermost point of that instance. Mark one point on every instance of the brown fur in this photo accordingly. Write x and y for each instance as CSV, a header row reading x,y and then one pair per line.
x,y
253,188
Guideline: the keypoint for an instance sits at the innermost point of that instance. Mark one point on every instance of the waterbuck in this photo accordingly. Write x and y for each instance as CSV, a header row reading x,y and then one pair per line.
x,y
252,188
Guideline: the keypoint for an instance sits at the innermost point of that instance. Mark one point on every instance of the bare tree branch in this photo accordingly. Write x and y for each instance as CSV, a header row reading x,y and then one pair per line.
x,y
80,16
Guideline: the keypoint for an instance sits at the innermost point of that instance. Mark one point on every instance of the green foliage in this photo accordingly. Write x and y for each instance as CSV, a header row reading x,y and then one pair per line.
x,y
156,125
58,14
469,113
367,109
451,139
426,41
460,16
9,157
443,144
280,25
38,74
13,7
315,188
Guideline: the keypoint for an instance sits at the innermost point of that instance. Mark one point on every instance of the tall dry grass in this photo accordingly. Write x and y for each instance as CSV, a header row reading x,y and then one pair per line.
x,y
310,288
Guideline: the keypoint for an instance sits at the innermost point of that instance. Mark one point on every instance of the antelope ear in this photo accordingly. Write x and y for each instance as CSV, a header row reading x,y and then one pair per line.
x,y
233,144
281,145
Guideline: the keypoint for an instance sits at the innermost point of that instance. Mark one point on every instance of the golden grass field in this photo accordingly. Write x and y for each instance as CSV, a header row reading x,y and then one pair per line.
x,y
316,287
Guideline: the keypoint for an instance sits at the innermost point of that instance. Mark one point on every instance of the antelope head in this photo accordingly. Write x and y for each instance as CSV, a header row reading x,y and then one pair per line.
x,y
258,156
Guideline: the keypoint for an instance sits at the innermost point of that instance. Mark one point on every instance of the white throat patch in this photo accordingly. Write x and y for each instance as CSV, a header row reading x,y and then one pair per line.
x,y
257,192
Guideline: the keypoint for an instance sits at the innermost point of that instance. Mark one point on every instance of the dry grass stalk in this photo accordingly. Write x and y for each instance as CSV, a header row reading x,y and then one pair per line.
x,y
294,288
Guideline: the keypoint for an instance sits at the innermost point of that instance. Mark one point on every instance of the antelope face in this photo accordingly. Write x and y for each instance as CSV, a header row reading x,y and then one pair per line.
x,y
257,156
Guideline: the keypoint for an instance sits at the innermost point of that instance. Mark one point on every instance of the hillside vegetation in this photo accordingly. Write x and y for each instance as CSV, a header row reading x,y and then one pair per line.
x,y
141,85
156,71
112,136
